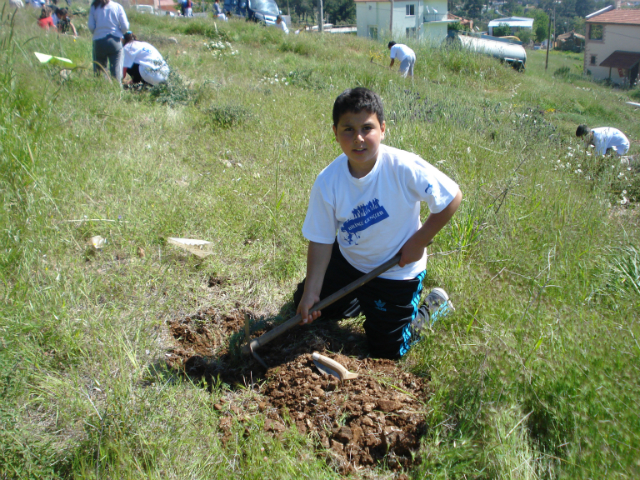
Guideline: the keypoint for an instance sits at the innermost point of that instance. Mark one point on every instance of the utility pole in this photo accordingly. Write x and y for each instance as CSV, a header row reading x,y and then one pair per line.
x,y
321,23
391,21
546,63
554,25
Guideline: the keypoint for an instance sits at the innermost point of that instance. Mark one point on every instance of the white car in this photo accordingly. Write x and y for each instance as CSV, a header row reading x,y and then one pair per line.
x,y
145,9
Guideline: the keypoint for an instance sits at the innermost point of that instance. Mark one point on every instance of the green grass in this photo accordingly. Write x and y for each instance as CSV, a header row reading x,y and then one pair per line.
x,y
534,376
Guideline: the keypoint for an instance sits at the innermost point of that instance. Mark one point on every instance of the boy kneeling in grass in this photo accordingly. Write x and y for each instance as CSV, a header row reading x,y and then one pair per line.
x,y
370,196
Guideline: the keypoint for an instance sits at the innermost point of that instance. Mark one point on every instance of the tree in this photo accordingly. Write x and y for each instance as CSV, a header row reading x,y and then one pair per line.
x,y
524,36
473,8
501,30
585,7
540,23
579,25
340,11
303,9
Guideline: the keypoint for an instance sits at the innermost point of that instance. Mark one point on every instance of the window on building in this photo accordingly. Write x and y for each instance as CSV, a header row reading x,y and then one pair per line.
x,y
596,32
373,32
593,59
411,32
411,10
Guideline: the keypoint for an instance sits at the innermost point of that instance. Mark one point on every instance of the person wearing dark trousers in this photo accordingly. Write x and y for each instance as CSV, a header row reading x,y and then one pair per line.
x,y
108,22
143,62
364,209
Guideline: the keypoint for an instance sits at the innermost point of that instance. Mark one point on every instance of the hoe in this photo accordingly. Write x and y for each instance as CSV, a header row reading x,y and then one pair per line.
x,y
252,345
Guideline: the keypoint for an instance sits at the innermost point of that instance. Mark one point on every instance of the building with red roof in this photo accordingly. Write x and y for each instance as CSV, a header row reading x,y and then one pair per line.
x,y
612,47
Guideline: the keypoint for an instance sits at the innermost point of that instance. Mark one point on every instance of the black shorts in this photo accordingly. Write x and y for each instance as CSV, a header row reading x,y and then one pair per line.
x,y
388,305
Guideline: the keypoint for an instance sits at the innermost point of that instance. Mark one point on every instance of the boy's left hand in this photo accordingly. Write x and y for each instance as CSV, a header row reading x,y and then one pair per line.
x,y
411,251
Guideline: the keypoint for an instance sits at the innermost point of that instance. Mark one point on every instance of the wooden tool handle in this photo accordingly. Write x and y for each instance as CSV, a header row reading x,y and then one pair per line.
x,y
335,366
280,329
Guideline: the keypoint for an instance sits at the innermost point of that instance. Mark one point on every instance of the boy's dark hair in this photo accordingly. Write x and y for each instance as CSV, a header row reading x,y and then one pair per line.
x,y
99,3
128,38
391,44
582,131
355,100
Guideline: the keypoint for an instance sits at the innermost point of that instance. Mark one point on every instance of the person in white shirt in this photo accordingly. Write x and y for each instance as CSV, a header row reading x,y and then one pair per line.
x,y
364,209
605,139
142,61
108,22
405,56
281,24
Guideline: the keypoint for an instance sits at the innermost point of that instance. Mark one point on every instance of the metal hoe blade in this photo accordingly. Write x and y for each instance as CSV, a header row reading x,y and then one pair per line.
x,y
247,336
326,370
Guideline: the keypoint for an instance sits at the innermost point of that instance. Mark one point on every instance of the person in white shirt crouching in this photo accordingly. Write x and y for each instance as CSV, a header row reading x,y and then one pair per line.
x,y
282,25
604,139
142,61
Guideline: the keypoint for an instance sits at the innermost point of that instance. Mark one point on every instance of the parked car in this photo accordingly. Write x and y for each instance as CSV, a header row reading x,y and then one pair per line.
x,y
264,11
145,9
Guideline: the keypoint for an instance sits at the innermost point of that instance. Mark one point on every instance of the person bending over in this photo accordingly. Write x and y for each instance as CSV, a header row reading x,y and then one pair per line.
x,y
281,24
142,62
405,56
45,21
605,139
371,195
64,23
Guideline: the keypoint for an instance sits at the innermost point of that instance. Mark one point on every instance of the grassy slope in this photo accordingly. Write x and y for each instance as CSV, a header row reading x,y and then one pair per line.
x,y
545,327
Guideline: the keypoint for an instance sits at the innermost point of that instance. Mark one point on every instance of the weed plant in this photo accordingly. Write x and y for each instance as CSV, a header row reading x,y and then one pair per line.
x,y
534,376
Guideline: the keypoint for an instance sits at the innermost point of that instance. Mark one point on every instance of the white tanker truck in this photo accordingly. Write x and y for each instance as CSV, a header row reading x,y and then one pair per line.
x,y
505,50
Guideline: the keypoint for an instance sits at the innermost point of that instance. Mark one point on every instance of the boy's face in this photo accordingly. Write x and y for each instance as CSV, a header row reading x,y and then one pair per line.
x,y
359,135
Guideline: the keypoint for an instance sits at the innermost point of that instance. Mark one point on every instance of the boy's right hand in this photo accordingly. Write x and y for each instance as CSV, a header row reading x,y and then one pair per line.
x,y
307,301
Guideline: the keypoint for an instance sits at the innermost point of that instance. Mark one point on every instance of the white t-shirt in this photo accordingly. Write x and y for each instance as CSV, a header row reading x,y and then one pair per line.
x,y
608,137
375,215
142,53
401,52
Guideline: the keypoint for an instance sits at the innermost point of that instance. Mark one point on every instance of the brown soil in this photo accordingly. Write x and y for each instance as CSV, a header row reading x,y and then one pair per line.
x,y
377,417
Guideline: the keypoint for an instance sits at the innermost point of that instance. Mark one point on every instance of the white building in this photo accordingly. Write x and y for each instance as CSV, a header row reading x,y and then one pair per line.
x,y
419,19
515,24
612,46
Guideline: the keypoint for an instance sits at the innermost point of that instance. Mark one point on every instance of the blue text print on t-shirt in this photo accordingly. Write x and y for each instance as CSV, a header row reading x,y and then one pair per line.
x,y
363,216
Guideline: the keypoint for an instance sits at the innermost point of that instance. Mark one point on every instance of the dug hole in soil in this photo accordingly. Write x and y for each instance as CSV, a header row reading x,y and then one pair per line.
x,y
375,418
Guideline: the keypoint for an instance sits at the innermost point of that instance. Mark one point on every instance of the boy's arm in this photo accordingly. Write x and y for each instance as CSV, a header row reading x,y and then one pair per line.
x,y
413,249
318,256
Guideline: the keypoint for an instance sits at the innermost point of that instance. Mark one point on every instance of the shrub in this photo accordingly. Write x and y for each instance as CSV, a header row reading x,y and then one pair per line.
x,y
172,92
226,116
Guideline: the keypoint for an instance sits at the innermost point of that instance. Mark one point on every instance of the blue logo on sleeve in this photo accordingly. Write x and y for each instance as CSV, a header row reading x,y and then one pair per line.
x,y
380,305
429,189
364,216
